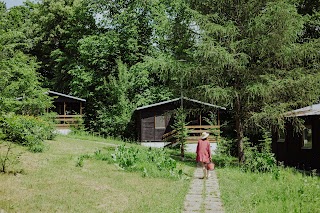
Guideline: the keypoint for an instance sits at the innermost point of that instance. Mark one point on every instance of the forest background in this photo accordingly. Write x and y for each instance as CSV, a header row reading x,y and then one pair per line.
x,y
257,58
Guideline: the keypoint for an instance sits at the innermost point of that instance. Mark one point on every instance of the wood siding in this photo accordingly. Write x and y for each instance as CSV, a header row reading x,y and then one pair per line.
x,y
291,153
146,121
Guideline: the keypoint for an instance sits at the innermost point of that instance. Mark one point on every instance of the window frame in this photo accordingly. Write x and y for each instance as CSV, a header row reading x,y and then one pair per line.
x,y
281,136
305,142
163,121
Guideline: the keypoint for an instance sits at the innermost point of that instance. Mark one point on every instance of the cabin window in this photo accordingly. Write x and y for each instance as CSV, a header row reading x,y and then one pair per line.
x,y
160,122
307,137
281,136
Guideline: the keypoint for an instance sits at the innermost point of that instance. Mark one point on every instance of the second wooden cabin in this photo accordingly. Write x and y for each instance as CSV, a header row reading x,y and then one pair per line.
x,y
155,121
69,110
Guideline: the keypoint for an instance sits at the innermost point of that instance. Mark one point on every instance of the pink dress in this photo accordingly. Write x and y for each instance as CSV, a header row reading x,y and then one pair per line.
x,y
203,151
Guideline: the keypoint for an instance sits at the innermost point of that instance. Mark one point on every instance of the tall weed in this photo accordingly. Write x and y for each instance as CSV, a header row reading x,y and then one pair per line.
x,y
8,159
151,162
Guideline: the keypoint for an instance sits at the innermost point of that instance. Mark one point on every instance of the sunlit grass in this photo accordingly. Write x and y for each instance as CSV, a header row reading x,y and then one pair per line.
x,y
52,182
287,191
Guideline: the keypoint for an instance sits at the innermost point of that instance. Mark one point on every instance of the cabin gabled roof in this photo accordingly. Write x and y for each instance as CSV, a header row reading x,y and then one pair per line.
x,y
67,96
177,99
305,111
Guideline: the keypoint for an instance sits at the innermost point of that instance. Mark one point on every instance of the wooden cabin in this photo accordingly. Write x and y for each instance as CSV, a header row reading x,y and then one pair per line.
x,y
300,149
68,108
154,122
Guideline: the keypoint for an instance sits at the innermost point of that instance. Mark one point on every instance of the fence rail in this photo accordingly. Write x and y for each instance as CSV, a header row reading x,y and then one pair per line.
x,y
194,133
67,121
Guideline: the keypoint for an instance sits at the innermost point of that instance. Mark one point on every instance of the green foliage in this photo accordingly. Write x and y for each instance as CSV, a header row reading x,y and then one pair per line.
x,y
259,159
224,154
79,128
257,192
56,45
151,162
253,58
20,90
8,159
221,160
27,130
179,126
80,160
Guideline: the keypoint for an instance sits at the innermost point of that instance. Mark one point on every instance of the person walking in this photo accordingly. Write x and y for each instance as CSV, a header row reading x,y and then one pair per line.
x,y
204,153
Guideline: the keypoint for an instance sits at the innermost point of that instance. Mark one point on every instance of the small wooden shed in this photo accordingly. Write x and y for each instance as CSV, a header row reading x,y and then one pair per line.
x,y
300,149
154,122
68,108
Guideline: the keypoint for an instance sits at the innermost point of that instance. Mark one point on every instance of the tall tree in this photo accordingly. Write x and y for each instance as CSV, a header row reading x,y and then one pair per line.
x,y
20,89
59,25
252,60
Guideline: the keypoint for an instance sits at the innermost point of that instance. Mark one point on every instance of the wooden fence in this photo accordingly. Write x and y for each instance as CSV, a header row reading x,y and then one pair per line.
x,y
67,121
194,133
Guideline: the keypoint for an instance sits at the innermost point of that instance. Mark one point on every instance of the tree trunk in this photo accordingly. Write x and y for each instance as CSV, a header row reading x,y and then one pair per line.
x,y
239,129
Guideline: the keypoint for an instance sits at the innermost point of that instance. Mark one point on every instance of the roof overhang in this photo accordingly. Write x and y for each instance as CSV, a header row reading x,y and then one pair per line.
x,y
67,96
177,99
305,111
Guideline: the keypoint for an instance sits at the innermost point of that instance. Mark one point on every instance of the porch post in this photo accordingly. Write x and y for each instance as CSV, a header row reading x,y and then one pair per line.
x,y
81,108
64,112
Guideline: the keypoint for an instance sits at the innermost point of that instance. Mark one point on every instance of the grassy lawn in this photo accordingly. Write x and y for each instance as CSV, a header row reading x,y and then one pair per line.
x,y
51,181
288,191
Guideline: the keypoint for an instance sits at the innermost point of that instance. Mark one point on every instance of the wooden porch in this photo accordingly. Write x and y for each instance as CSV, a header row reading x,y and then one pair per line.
x,y
67,121
194,132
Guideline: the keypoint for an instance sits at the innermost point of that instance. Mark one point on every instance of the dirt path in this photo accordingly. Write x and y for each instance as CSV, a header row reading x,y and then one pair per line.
x,y
204,194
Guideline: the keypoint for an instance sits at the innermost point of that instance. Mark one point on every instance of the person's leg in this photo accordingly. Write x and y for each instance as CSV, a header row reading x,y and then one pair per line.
x,y
204,169
208,173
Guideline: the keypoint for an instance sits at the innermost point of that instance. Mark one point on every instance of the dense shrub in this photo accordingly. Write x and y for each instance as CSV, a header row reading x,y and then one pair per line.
x,y
223,160
259,158
223,157
151,162
26,130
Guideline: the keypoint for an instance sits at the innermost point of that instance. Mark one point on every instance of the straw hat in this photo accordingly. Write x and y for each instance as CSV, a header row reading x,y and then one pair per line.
x,y
204,135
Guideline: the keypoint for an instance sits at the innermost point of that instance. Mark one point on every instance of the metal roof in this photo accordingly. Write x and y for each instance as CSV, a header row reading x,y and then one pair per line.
x,y
305,111
176,99
67,96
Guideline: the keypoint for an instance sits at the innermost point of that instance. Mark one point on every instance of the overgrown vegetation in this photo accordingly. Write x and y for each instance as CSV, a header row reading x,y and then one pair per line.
x,y
134,53
150,162
27,130
284,191
259,158
259,183
98,186
181,132
9,160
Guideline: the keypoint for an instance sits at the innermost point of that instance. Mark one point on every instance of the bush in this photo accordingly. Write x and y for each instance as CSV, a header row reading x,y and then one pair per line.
x,y
26,130
151,162
259,159
223,160
223,157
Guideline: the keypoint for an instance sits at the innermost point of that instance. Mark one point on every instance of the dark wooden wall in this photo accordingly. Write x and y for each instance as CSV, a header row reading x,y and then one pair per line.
x,y
148,132
291,152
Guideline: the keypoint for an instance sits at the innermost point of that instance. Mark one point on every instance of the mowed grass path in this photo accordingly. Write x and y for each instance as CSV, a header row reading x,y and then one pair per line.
x,y
52,183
